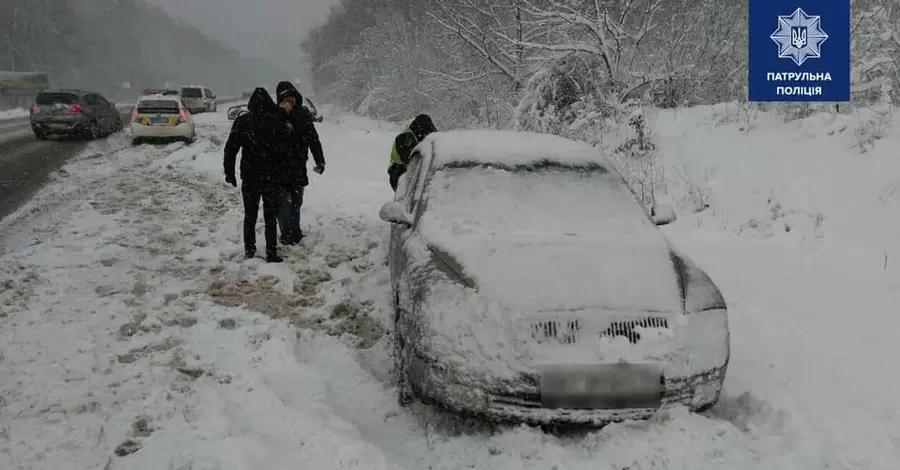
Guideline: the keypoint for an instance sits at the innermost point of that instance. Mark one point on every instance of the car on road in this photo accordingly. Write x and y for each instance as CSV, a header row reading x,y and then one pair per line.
x,y
72,112
530,285
199,99
161,117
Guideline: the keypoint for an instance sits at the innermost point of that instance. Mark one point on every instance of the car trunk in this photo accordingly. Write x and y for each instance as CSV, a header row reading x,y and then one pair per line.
x,y
158,112
56,105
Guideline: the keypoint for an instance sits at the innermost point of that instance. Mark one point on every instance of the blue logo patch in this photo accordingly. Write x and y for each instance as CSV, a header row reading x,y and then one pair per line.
x,y
805,63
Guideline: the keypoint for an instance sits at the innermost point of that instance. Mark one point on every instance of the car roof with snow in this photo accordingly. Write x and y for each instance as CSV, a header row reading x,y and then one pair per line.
x,y
510,148
160,97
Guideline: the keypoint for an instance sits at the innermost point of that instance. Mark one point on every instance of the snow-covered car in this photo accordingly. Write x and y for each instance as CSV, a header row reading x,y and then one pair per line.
x,y
531,285
161,117
312,110
235,111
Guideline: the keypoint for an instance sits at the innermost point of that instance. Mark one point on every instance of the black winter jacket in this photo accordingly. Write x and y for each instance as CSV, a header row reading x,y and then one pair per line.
x,y
256,134
303,138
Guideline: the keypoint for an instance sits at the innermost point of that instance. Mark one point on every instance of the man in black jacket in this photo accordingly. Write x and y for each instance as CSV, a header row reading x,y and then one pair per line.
x,y
255,134
404,144
303,139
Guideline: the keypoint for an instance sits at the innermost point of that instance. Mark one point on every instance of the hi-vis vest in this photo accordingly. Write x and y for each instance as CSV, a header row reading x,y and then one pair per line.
x,y
395,156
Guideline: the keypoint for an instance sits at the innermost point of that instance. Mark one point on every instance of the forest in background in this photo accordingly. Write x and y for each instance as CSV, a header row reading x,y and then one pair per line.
x,y
102,44
560,65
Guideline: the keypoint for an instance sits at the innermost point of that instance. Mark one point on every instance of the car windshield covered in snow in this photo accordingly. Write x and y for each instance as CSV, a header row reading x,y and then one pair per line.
x,y
548,200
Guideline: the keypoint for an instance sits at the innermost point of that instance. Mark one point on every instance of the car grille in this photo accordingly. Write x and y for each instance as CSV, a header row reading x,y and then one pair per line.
x,y
563,331
627,328
567,331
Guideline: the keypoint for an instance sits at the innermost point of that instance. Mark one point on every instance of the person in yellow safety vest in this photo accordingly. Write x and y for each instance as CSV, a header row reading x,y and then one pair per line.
x,y
404,144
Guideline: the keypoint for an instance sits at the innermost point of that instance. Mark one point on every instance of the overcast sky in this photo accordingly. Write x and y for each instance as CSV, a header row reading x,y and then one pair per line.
x,y
269,29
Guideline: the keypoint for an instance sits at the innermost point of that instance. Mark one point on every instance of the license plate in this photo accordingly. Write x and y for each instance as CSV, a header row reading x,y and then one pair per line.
x,y
59,126
602,386
160,121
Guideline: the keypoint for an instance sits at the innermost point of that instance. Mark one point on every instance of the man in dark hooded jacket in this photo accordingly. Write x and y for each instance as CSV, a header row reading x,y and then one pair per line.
x,y
255,134
303,139
404,144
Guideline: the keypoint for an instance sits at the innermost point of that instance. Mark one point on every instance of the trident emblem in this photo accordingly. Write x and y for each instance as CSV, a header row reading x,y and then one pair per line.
x,y
798,36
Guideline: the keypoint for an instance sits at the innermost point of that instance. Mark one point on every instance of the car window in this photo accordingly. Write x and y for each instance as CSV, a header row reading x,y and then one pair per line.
x,y
91,100
47,99
161,106
191,93
103,101
524,200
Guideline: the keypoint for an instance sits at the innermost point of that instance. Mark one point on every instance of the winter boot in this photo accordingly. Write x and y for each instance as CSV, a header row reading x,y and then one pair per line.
x,y
272,257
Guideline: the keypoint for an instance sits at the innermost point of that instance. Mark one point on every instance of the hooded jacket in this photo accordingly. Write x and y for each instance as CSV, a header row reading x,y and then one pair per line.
x,y
303,137
255,134
407,140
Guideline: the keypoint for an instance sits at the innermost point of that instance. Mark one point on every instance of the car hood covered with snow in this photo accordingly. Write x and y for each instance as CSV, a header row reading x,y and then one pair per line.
x,y
539,272
487,331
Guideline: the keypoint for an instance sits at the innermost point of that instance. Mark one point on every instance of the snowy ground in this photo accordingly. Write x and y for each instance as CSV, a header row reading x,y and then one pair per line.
x,y
135,337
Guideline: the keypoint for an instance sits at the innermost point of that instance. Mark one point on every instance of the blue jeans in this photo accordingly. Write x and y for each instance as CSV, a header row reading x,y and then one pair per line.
x,y
289,215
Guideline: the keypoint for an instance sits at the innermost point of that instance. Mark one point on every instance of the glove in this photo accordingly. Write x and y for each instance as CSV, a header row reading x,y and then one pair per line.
x,y
230,179
319,169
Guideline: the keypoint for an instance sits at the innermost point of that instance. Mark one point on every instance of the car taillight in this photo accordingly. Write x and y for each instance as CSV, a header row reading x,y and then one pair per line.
x,y
34,108
134,114
183,115
75,108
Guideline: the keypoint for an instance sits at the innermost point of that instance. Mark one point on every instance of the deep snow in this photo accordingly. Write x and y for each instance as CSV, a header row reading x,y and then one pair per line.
x,y
134,336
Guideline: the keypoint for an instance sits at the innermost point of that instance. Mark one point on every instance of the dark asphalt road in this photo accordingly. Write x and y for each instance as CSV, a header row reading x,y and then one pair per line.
x,y
25,164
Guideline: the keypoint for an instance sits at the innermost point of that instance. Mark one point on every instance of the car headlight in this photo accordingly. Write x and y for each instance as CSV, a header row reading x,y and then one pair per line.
x,y
698,290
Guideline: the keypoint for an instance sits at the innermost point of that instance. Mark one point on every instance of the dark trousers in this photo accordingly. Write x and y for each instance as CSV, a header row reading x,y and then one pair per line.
x,y
395,171
252,193
289,214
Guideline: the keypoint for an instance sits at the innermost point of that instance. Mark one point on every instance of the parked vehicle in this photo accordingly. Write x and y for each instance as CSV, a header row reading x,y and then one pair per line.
x,y
530,285
161,117
199,99
72,112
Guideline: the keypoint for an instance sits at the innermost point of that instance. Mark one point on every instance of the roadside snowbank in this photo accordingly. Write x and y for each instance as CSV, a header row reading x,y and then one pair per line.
x,y
16,113
826,179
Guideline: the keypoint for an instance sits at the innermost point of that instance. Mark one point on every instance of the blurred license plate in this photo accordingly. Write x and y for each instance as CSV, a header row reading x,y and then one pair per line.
x,y
602,386
157,121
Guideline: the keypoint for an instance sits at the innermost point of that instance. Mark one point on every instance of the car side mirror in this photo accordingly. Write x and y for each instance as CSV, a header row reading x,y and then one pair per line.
x,y
662,214
395,213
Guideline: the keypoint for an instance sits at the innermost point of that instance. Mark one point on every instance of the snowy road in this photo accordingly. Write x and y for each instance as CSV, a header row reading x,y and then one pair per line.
x,y
134,337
